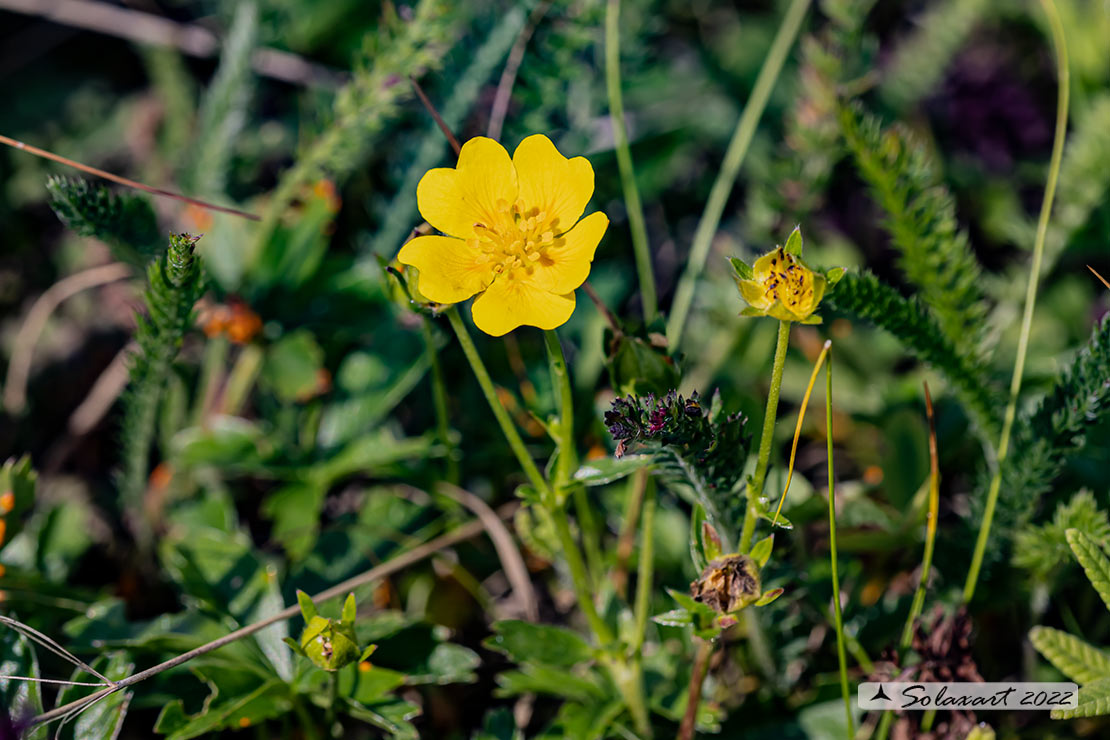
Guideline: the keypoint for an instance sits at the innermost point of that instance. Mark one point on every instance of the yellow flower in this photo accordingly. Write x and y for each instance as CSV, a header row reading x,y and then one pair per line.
x,y
780,285
512,233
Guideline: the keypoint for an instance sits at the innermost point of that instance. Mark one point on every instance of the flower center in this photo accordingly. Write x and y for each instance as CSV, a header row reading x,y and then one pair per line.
x,y
514,244
789,282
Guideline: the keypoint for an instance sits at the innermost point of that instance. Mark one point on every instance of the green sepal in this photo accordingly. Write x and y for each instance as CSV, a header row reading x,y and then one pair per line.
x,y
308,609
768,597
794,242
743,271
761,551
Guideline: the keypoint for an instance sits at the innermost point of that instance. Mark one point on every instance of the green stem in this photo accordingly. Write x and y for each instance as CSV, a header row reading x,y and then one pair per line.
x,y
527,464
838,616
755,488
730,168
439,399
591,536
645,569
1063,82
578,575
215,358
624,161
566,463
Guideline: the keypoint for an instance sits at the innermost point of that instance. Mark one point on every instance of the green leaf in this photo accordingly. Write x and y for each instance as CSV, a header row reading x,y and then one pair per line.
x,y
124,221
834,274
525,642
391,715
1094,700
17,493
769,596
538,679
224,441
17,658
674,618
368,686
449,663
1094,562
220,571
236,699
105,717
761,551
698,554
1078,660
292,366
605,470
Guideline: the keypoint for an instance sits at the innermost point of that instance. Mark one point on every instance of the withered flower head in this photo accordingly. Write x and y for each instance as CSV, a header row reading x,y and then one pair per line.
x,y
728,584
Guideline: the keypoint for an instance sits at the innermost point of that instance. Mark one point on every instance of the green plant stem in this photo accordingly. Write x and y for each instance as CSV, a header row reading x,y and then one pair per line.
x,y
566,463
212,366
578,576
930,531
755,488
1063,82
527,464
333,700
730,168
645,570
624,161
841,657
591,536
439,399
241,379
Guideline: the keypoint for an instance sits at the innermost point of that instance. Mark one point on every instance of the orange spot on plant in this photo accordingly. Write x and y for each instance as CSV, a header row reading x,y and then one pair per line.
x,y
197,218
325,190
3,530
244,721
161,476
365,666
873,475
3,570
7,502
513,234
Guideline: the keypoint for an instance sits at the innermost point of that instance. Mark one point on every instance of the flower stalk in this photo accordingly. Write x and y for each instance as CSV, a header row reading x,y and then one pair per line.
x,y
755,487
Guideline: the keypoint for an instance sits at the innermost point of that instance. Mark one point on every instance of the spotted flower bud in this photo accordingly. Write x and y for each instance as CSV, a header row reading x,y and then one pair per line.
x,y
781,285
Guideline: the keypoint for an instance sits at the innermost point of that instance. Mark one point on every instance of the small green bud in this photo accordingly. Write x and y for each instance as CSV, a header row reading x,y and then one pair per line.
x,y
329,643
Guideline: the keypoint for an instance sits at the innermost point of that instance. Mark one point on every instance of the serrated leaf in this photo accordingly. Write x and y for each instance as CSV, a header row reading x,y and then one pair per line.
x,y
1094,561
1094,700
1078,660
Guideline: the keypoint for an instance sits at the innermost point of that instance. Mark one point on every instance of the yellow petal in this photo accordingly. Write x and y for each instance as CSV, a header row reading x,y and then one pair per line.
x,y
551,183
509,303
480,190
563,267
450,270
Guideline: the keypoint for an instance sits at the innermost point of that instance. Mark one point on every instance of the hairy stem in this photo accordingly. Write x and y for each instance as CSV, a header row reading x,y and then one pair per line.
x,y
527,464
755,488
439,399
1062,81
